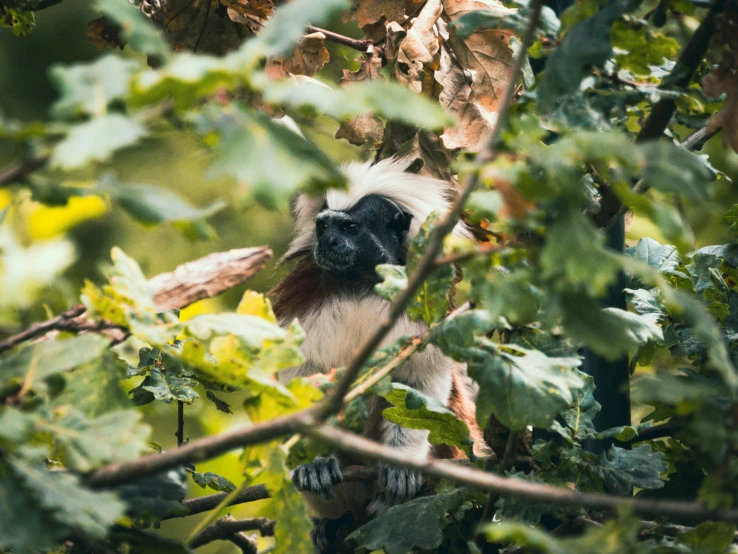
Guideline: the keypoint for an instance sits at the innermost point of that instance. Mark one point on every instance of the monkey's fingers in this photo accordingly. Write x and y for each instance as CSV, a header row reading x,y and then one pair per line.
x,y
318,477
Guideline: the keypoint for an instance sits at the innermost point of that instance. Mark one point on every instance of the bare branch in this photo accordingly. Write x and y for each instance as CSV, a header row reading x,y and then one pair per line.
x,y
20,171
517,488
259,492
180,423
207,277
226,527
204,278
362,45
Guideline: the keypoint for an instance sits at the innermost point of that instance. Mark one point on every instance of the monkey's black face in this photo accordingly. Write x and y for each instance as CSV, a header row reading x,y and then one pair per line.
x,y
351,243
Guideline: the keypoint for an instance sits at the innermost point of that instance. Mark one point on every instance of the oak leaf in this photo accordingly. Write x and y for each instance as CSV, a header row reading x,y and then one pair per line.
x,y
365,129
366,12
309,56
724,81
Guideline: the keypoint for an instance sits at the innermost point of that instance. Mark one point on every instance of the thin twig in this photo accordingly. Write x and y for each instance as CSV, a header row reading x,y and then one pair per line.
x,y
38,329
225,528
19,172
180,423
362,45
508,459
656,432
697,140
478,253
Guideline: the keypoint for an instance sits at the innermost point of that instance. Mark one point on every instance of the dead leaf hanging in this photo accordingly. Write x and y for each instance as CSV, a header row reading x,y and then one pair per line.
x,y
364,129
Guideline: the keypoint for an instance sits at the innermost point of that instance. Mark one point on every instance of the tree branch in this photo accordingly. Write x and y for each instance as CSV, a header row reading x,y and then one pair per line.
x,y
180,423
20,171
517,488
226,527
662,112
259,492
203,278
362,45
656,432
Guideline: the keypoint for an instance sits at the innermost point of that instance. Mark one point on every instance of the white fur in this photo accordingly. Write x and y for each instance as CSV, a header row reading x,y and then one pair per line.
x,y
418,195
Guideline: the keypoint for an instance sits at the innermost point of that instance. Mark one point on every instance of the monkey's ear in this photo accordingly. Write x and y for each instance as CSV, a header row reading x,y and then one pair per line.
x,y
401,224
415,167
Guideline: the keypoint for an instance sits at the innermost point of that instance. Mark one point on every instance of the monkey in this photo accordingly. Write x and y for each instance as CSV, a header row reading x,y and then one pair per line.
x,y
339,239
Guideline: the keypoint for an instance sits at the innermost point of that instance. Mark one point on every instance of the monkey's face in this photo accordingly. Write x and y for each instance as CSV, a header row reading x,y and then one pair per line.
x,y
351,243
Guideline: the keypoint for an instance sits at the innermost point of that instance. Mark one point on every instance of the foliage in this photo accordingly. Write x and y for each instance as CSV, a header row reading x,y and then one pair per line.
x,y
254,90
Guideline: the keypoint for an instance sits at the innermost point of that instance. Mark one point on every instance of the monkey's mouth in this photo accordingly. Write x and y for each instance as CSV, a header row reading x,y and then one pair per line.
x,y
335,262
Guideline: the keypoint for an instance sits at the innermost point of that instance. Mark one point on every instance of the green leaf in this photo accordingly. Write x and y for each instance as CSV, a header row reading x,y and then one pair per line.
x,y
94,388
220,405
381,98
213,481
685,391
431,302
16,427
151,205
151,499
664,258
520,534
643,47
671,168
21,22
580,417
168,386
708,538
43,359
731,217
585,45
136,28
622,469
95,141
250,145
89,88
394,279
496,18
575,253
415,410
60,495
521,387
287,507
413,525
610,332
85,444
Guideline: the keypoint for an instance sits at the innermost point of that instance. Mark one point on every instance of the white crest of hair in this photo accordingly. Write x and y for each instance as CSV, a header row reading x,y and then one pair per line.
x,y
418,195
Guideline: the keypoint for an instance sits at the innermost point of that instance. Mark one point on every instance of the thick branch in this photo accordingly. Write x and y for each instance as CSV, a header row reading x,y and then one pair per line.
x,y
204,278
207,277
20,171
226,527
656,432
517,488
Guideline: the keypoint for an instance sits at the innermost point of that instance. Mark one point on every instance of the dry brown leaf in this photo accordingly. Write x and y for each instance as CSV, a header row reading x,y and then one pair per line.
x,y
476,76
105,34
365,129
414,55
252,13
201,26
717,83
371,11
404,140
309,56
473,121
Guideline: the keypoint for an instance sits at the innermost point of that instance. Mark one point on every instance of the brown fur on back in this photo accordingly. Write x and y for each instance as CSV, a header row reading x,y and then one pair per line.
x,y
304,288
462,405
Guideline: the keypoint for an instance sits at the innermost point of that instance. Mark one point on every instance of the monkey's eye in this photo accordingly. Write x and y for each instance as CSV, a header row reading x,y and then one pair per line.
x,y
321,226
351,228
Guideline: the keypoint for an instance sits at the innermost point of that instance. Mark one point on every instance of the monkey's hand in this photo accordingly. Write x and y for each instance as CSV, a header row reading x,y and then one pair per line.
x,y
398,485
318,477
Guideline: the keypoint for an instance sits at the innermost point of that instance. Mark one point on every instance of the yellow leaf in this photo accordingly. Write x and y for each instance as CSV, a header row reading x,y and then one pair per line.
x,y
254,303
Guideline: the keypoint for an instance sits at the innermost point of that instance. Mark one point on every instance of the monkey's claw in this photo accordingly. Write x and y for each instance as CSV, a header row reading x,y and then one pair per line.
x,y
318,477
398,485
